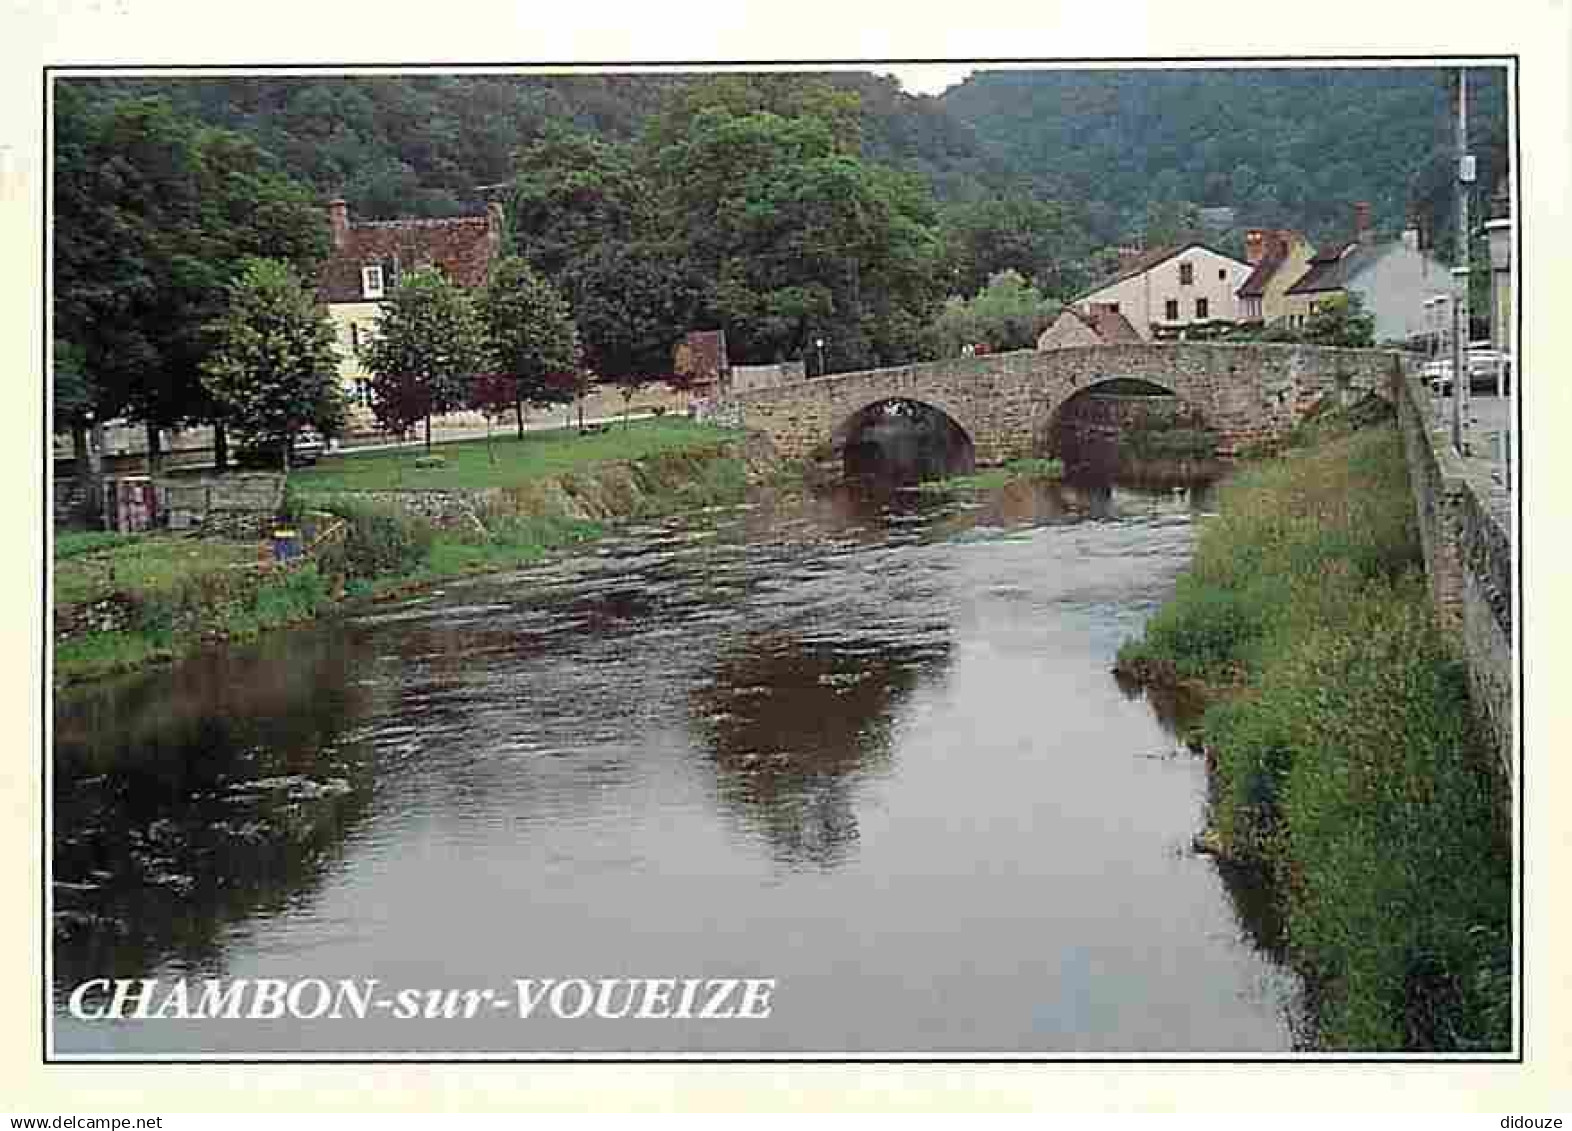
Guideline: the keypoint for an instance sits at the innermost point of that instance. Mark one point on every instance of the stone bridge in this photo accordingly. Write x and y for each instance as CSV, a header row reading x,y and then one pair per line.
x,y
1007,403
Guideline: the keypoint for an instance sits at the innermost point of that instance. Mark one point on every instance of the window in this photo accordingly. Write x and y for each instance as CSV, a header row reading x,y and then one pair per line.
x,y
354,337
1171,310
1222,273
1186,274
1201,308
371,281
1113,308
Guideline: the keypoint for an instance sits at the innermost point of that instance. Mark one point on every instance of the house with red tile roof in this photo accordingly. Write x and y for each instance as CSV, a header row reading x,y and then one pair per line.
x,y
1278,259
1168,291
368,259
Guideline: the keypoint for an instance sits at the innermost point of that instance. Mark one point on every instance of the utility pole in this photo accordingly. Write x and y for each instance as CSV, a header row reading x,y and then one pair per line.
x,y
1465,178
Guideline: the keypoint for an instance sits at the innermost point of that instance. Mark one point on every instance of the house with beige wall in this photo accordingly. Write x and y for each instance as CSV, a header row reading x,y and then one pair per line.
x,y
1278,258
1393,279
367,261
1166,292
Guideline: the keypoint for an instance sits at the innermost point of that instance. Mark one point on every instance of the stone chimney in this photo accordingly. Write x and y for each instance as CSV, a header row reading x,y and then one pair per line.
x,y
494,219
1363,232
1255,246
338,217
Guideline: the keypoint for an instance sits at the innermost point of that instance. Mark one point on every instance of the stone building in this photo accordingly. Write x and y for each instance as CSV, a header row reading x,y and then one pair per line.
x,y
1393,279
1169,291
1278,258
367,261
1102,325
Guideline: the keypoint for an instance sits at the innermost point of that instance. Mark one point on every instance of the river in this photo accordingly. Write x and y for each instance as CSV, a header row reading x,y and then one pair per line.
x,y
870,749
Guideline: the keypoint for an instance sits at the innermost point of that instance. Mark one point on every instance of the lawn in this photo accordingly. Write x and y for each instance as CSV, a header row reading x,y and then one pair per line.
x,y
468,464
89,567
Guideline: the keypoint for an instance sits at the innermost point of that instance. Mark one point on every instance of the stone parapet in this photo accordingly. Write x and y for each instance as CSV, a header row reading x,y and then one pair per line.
x,y
1469,560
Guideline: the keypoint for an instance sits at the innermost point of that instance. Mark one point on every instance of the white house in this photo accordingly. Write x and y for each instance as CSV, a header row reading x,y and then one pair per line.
x,y
1167,291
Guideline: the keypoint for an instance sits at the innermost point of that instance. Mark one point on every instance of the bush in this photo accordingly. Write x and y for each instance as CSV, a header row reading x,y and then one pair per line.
x,y
375,541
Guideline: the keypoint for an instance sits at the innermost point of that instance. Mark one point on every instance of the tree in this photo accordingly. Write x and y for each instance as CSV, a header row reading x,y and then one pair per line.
x,y
1036,238
636,300
429,343
494,395
152,216
1008,314
530,332
75,404
573,194
1172,222
1339,321
792,237
273,368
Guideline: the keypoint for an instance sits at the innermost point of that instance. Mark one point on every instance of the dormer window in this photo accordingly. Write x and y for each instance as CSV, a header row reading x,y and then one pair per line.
x,y
371,281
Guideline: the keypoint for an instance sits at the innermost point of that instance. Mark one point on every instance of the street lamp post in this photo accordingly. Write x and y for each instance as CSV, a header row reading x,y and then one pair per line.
x,y
1436,315
1460,318
819,343
1460,359
1499,231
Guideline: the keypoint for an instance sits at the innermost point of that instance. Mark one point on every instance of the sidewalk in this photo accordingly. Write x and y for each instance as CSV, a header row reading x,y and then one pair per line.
x,y
553,423
1489,420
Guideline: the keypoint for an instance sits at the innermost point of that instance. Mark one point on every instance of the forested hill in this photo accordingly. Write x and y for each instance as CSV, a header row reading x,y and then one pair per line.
x,y
1293,147
1281,146
420,145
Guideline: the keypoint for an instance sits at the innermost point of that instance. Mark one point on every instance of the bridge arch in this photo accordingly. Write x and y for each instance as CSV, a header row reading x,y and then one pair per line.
x,y
1128,401
903,437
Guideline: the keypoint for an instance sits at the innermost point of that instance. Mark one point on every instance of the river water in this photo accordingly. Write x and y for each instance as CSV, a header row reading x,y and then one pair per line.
x,y
870,749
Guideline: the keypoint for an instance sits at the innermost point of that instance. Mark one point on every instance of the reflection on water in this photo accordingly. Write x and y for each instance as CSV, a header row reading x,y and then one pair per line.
x,y
792,726
866,743
184,811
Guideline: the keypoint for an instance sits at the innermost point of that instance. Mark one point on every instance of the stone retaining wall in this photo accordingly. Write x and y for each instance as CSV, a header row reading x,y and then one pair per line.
x,y
225,506
1466,534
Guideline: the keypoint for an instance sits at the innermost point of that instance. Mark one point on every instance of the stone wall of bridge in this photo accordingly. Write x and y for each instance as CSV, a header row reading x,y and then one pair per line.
x,y
1007,403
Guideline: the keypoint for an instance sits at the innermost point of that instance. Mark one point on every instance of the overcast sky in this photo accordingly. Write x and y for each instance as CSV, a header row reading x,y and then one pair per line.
x,y
927,78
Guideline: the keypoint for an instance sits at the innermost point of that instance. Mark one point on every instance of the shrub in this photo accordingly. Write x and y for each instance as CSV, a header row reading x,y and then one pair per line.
x,y
375,541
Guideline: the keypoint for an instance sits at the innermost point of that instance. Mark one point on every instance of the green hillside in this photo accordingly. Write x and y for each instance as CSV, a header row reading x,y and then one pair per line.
x,y
1282,147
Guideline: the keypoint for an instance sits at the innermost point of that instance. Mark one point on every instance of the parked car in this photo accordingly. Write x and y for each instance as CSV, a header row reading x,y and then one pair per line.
x,y
308,449
1483,366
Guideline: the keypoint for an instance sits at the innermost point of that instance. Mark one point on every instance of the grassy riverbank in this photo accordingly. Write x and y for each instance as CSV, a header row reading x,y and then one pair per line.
x,y
1344,751
122,602
472,465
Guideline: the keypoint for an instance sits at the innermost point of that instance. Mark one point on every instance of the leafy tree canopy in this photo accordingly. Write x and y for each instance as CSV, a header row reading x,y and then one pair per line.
x,y
273,368
153,214
429,343
1008,314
